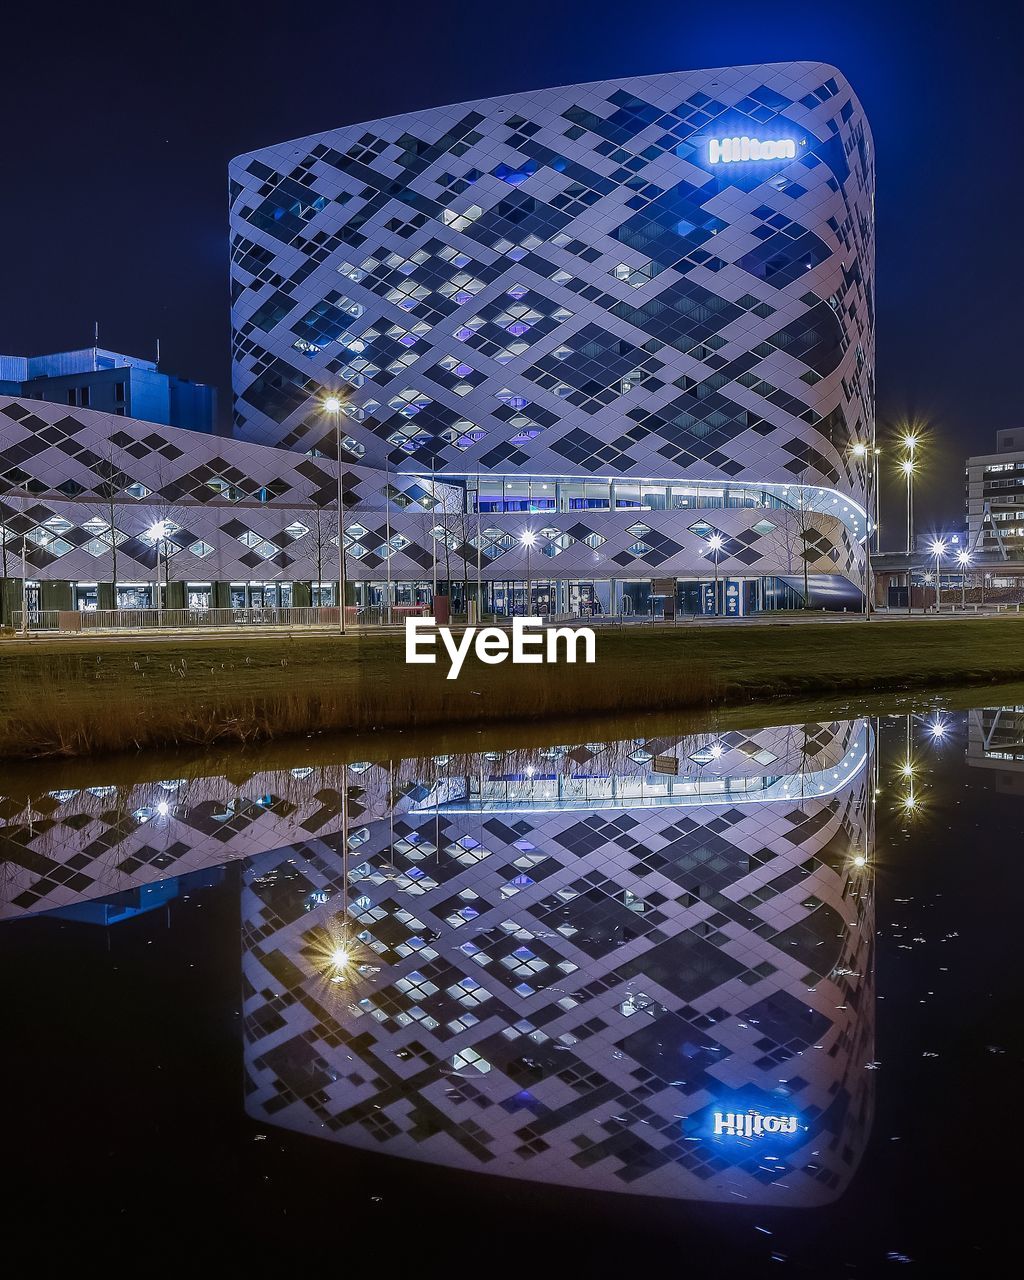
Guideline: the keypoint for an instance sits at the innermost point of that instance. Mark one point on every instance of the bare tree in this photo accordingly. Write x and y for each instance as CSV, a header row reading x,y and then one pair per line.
x,y
797,533
323,531
7,539
115,481
455,524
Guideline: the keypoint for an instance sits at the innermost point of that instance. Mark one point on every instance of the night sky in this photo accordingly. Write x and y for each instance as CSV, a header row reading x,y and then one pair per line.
x,y
119,121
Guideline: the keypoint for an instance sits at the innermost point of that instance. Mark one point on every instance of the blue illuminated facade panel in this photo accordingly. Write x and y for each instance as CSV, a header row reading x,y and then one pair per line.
x,y
667,278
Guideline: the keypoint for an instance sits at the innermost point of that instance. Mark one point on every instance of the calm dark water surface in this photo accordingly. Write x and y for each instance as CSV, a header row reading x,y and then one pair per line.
x,y
744,1000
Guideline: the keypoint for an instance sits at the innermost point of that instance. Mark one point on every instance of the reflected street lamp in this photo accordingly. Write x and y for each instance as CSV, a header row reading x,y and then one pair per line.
x,y
332,405
715,543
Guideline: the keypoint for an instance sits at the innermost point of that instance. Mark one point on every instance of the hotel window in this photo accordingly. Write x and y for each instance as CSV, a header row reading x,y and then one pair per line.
x,y
490,495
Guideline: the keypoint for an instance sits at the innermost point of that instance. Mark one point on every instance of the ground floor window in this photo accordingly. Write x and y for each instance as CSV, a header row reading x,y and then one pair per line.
x,y
86,597
261,595
134,595
199,595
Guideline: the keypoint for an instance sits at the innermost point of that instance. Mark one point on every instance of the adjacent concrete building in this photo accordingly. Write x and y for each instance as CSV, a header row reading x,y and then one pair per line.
x,y
126,386
995,497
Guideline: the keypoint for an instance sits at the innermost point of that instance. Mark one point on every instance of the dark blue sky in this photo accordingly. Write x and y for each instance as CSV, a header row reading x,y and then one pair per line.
x,y
119,121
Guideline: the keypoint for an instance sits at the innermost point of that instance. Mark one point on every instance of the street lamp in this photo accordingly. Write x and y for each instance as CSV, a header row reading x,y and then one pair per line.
x,y
937,548
332,405
528,538
860,451
715,543
158,533
875,515
908,467
963,559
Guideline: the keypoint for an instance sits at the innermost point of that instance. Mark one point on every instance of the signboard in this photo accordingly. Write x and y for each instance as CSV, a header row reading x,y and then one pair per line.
x,y
707,590
751,1124
666,764
733,150
733,601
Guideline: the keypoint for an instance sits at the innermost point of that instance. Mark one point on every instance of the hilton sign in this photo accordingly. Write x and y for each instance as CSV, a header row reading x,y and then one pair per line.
x,y
731,150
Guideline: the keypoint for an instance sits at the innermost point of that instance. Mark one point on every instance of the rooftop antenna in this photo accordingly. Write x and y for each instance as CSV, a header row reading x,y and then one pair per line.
x,y
95,333
158,352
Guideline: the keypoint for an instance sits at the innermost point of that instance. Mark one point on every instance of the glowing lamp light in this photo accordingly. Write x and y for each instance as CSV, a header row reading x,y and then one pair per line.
x,y
332,404
937,728
860,860
163,808
938,547
528,538
910,443
963,558
907,467
158,530
907,770
859,450
715,542
341,957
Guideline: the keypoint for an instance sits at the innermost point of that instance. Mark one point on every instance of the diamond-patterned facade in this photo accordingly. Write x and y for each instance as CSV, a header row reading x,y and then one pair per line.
x,y
546,311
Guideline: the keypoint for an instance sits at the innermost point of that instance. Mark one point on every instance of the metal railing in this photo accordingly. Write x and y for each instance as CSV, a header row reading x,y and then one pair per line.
x,y
72,621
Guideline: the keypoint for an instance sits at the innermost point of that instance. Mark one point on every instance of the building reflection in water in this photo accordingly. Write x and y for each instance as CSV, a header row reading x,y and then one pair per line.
x,y
623,966
995,741
642,965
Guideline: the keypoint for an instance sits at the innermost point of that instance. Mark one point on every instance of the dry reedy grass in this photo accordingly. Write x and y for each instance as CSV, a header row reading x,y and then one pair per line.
x,y
67,709
86,697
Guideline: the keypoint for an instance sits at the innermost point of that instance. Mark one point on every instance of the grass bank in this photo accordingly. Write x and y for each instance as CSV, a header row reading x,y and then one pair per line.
x,y
83,697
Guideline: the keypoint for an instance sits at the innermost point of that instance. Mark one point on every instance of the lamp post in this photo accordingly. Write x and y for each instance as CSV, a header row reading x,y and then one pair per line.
x,y
878,496
528,538
24,584
860,451
387,534
158,532
963,559
937,548
715,543
332,405
909,468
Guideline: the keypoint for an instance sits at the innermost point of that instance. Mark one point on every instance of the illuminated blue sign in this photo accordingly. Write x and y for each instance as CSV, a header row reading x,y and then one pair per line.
x,y
751,1124
738,1118
731,150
